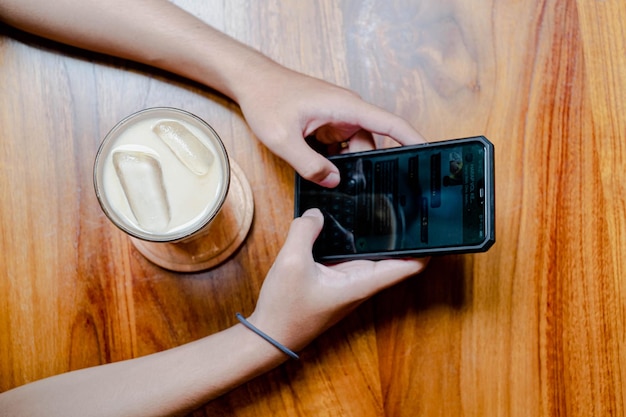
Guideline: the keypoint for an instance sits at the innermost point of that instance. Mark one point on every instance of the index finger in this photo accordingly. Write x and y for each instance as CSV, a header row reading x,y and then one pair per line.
x,y
377,120
374,276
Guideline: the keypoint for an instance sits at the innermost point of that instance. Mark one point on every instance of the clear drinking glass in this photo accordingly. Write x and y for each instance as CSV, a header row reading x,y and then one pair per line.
x,y
163,176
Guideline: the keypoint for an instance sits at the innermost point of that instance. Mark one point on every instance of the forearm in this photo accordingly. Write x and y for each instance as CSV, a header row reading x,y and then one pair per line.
x,y
153,32
166,383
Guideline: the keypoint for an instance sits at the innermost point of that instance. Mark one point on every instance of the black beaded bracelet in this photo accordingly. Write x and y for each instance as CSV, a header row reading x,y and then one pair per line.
x,y
280,346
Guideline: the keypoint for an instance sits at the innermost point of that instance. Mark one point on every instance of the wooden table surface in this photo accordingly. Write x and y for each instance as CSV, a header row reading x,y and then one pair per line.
x,y
534,327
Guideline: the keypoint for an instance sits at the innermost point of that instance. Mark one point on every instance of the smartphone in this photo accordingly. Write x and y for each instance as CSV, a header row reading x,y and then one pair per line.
x,y
410,201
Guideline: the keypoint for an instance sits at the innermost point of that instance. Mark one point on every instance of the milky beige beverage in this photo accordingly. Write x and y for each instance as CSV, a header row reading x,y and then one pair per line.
x,y
161,174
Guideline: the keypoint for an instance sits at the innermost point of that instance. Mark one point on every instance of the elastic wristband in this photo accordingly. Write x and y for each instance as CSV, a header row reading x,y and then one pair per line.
x,y
278,345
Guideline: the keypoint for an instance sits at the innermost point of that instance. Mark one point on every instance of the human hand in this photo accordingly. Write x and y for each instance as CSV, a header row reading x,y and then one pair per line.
x,y
301,298
283,107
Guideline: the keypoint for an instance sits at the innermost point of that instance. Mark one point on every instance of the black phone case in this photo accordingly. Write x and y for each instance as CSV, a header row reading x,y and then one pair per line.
x,y
489,201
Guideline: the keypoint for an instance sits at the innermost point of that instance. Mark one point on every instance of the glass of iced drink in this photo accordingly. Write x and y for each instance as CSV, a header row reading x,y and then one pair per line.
x,y
162,175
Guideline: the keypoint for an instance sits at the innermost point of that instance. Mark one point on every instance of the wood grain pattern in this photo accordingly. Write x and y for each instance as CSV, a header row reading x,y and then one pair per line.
x,y
534,327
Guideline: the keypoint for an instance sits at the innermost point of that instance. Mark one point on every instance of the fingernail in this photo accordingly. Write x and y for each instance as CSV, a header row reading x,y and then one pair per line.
x,y
312,212
331,180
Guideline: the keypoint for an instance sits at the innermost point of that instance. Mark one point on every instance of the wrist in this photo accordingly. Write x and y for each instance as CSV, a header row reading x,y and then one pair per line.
x,y
289,333
251,75
227,65
264,354
269,339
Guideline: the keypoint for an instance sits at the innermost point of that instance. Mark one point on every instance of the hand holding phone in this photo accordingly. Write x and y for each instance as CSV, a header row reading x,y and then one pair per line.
x,y
420,200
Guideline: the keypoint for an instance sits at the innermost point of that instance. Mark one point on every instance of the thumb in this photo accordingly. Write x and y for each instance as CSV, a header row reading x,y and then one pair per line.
x,y
304,231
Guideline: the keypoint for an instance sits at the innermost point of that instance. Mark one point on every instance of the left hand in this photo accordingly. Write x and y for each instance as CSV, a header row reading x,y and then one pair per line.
x,y
283,107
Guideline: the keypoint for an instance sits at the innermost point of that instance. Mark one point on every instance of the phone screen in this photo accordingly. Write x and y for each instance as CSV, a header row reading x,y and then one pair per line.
x,y
418,199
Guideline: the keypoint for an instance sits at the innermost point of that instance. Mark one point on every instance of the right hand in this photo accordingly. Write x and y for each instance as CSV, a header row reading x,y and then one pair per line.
x,y
301,298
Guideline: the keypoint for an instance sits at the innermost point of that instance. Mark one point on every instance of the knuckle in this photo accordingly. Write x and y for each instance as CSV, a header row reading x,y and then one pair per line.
x,y
313,171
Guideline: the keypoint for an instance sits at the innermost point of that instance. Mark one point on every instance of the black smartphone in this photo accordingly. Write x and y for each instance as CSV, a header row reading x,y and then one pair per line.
x,y
410,201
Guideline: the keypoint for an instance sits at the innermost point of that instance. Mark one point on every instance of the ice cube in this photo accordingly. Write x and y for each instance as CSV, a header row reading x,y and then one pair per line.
x,y
142,181
186,146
